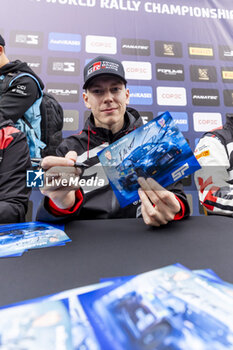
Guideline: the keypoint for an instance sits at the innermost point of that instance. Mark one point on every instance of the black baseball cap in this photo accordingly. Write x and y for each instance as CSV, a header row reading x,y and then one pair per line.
x,y
2,41
103,65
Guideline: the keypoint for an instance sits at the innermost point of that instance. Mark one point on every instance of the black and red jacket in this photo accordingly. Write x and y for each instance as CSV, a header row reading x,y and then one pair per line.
x,y
14,161
99,202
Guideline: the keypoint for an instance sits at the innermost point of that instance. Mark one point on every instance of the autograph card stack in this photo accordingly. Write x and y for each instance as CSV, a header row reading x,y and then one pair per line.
x,y
169,308
15,239
157,149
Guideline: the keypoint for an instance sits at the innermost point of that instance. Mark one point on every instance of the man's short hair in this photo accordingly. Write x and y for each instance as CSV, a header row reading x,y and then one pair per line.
x,y
103,65
2,41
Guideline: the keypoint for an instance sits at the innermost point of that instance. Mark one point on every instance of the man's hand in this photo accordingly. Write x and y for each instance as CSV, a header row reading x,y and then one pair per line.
x,y
159,206
60,170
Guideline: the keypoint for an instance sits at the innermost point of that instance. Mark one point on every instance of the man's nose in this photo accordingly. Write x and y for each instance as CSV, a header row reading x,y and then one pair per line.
x,y
108,96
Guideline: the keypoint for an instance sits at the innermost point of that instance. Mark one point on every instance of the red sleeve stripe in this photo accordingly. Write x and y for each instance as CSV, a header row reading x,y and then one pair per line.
x,y
181,213
56,211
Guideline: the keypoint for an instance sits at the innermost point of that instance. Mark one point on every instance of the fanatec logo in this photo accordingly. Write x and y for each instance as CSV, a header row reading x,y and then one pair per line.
x,y
101,44
168,49
26,39
136,47
34,62
64,92
205,97
203,73
170,72
63,66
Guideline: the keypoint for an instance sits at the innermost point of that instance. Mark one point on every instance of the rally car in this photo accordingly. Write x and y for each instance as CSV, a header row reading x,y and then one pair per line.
x,y
146,161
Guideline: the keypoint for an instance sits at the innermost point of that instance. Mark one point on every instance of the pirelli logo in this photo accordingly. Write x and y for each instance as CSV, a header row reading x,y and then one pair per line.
x,y
198,51
227,75
201,51
203,154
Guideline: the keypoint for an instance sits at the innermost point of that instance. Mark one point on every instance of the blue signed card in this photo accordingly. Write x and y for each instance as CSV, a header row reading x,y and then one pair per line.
x,y
157,149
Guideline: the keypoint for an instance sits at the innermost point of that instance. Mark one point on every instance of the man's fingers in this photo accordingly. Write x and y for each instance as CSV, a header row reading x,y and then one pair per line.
x,y
72,155
51,161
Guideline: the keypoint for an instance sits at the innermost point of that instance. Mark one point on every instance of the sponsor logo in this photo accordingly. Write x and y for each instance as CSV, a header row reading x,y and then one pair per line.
x,y
168,49
101,44
71,120
170,72
26,39
146,116
206,121
228,97
136,47
180,119
35,178
226,53
63,66
137,70
205,97
227,74
171,96
203,73
103,65
200,51
141,95
64,42
178,173
34,62
64,92
203,154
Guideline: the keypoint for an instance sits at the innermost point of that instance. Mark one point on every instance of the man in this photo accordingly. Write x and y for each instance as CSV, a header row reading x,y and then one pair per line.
x,y
14,161
214,180
106,95
22,92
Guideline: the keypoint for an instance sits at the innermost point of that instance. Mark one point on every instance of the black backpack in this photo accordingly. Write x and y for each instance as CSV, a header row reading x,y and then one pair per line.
x,y
42,122
51,124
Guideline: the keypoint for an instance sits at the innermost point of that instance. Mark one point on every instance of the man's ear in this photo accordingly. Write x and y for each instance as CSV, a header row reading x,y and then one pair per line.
x,y
127,95
85,99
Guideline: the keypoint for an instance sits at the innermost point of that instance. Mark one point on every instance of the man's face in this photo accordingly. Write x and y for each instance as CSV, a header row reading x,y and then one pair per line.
x,y
107,98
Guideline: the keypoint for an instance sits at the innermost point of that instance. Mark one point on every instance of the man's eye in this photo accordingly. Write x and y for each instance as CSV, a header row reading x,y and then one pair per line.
x,y
115,89
97,91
